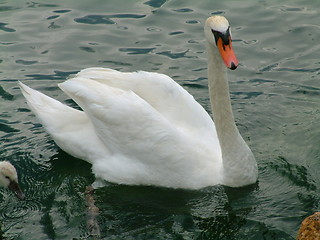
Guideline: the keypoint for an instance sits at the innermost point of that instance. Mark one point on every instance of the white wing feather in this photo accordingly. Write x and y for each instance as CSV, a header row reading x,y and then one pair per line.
x,y
162,93
135,128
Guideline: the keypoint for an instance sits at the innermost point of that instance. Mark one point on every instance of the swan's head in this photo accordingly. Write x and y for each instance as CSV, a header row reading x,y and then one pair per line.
x,y
9,178
218,34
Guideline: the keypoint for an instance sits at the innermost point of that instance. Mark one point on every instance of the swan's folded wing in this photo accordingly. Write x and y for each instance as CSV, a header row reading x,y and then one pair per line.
x,y
66,125
162,93
124,122
145,148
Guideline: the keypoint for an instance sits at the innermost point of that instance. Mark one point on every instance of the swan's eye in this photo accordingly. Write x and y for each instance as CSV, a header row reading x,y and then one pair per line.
x,y
225,37
7,177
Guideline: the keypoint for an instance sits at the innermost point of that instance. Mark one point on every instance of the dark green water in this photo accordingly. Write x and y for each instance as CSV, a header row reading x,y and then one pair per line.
x,y
275,94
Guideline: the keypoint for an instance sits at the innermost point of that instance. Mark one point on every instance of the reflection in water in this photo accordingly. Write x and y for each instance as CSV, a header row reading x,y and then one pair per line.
x,y
150,211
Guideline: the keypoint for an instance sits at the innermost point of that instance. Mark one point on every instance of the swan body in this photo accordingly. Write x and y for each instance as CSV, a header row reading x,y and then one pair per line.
x,y
142,128
9,178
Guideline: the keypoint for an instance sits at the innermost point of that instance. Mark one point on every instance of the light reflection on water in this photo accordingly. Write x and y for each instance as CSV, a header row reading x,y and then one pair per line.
x,y
275,96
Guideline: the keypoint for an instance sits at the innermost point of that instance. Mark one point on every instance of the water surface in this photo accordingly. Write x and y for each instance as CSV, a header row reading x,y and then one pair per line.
x,y
275,96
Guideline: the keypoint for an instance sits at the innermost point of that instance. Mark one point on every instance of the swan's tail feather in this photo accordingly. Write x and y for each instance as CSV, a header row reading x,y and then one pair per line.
x,y
66,125
47,109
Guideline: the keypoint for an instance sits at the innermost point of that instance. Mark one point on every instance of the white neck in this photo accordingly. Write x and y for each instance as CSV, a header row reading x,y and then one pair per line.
x,y
219,97
238,161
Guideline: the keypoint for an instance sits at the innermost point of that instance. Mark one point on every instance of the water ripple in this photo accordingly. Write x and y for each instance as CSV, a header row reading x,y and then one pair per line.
x,y
53,17
53,25
312,92
62,11
250,42
287,8
297,174
183,10
5,95
192,21
176,33
136,50
40,5
58,75
87,49
15,211
7,8
269,67
194,85
247,95
116,63
25,62
298,69
6,29
276,110
5,128
105,19
155,3
153,29
175,55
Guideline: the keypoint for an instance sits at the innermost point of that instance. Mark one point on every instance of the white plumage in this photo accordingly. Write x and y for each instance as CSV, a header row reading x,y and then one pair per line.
x,y
143,128
9,179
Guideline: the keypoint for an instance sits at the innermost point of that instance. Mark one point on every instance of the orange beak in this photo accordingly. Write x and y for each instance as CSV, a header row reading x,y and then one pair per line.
x,y
227,54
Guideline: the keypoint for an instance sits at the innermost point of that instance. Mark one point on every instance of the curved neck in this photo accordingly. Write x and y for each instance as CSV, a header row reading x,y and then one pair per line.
x,y
239,165
220,98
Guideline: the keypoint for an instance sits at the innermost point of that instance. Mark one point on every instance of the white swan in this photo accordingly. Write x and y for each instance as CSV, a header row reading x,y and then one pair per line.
x,y
143,128
9,179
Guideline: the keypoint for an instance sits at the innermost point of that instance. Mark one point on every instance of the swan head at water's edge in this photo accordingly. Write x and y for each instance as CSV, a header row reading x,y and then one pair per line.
x,y
9,179
218,35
